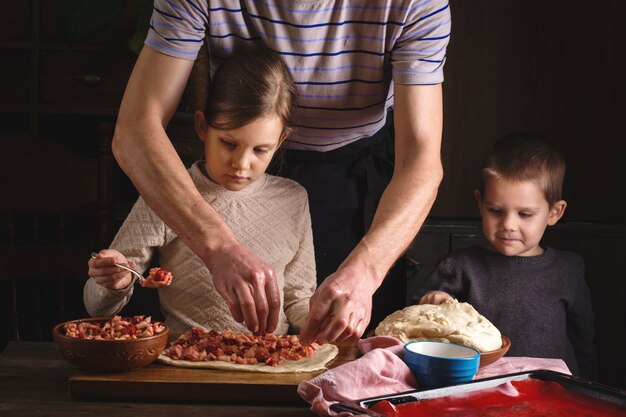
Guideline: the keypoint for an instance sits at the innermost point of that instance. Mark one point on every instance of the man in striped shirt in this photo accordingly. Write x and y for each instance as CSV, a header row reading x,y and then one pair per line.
x,y
353,61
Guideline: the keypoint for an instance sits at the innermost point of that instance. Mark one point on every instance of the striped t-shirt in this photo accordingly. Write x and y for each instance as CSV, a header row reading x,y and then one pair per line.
x,y
344,55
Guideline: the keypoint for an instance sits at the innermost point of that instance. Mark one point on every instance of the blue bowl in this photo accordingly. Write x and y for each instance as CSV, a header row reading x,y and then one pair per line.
x,y
439,364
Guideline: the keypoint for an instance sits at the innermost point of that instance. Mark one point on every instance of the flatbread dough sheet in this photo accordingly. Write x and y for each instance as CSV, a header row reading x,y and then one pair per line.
x,y
315,362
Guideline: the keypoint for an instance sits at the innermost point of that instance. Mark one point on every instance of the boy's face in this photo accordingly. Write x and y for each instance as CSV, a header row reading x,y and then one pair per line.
x,y
236,158
515,215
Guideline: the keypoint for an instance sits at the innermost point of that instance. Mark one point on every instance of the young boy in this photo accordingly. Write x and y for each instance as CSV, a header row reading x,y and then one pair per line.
x,y
536,296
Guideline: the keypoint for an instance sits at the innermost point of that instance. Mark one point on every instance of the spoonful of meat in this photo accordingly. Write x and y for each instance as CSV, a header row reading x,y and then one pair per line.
x,y
158,277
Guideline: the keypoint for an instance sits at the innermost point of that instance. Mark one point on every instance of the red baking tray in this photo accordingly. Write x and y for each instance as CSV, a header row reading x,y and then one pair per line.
x,y
532,393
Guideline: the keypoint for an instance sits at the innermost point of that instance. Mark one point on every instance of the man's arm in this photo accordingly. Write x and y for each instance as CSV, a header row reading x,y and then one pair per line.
x,y
341,306
145,153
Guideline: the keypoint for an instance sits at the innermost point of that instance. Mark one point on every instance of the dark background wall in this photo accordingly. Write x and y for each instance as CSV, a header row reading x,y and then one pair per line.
x,y
551,67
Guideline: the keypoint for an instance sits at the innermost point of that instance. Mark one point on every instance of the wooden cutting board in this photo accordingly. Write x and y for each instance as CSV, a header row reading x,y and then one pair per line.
x,y
158,382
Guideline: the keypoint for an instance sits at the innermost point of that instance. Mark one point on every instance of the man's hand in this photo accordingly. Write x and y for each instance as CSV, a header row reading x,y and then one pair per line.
x,y
248,286
341,307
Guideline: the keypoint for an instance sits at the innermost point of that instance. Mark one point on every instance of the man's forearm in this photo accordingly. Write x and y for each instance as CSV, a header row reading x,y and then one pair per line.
x,y
401,212
161,178
412,190
145,153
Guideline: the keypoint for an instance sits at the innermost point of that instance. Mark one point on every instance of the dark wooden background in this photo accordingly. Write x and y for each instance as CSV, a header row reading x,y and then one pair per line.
x,y
552,67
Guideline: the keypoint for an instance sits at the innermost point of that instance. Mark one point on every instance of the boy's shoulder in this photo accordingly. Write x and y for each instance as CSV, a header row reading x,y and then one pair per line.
x,y
463,257
566,256
470,252
479,254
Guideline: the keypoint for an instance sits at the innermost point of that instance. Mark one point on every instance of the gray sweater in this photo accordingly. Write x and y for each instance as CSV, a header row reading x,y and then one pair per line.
x,y
541,303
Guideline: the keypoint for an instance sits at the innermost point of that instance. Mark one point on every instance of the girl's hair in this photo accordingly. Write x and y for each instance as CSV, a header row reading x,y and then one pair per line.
x,y
526,157
253,83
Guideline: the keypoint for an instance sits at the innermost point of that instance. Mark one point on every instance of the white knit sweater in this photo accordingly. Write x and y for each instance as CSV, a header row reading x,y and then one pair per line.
x,y
270,217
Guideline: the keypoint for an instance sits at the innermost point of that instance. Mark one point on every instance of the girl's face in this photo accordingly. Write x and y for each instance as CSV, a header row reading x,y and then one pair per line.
x,y
236,158
515,215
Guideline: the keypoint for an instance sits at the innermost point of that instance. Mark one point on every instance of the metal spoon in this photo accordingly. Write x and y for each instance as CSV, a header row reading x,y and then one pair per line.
x,y
131,270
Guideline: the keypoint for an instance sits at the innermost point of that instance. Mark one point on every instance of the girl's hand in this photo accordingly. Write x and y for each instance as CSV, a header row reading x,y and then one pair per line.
x,y
436,297
103,271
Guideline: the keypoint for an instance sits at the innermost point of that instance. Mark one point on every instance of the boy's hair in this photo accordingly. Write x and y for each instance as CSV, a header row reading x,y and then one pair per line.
x,y
253,83
526,157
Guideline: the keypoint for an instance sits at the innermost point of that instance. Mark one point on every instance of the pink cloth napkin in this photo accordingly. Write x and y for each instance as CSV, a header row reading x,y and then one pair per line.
x,y
381,371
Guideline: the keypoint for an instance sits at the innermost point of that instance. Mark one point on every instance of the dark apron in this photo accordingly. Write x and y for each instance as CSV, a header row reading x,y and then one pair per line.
x,y
344,187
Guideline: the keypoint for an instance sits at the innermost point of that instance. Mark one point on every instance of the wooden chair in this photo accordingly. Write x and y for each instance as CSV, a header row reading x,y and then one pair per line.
x,y
57,208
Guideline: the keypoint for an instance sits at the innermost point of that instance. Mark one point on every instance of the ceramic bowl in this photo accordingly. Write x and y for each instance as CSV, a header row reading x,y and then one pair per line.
x,y
439,364
108,355
487,358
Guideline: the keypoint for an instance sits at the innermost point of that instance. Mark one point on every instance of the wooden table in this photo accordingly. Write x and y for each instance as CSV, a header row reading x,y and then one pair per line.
x,y
34,382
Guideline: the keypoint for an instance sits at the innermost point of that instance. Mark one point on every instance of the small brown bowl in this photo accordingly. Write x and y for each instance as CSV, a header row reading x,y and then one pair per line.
x,y
487,358
108,355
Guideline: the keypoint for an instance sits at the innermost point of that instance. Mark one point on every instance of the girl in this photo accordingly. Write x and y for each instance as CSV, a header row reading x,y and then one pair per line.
x,y
249,113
